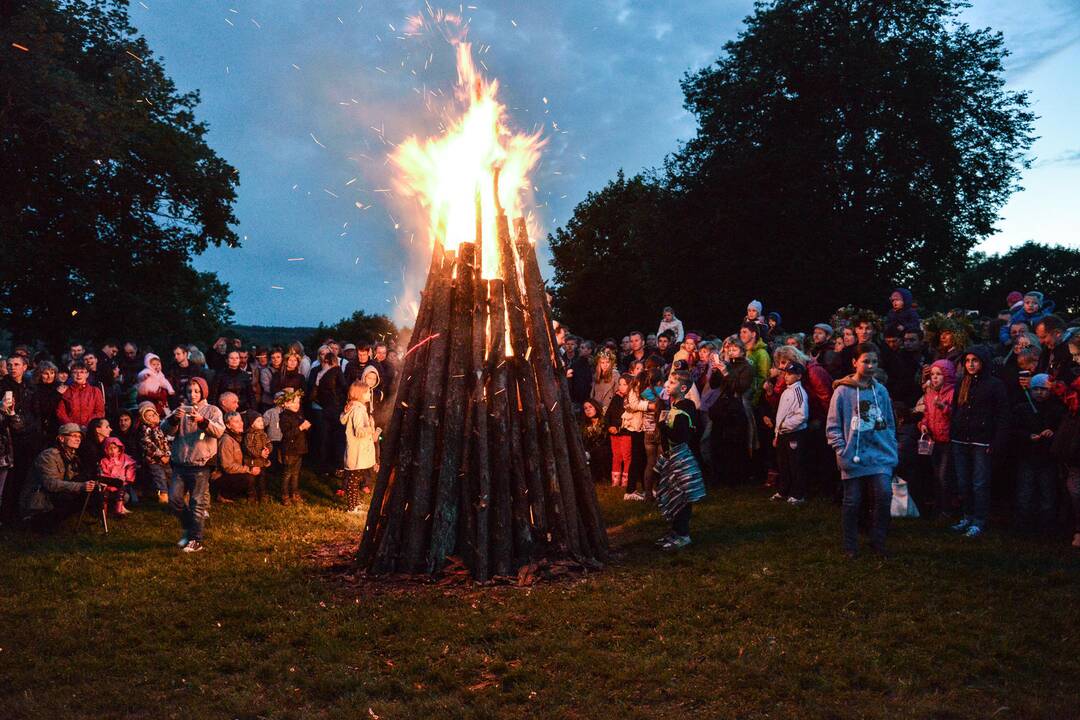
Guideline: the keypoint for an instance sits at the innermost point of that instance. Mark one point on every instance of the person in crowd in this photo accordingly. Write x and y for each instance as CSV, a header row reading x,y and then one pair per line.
x,y
668,321
25,427
7,445
579,375
821,337
680,484
328,388
238,477
605,379
860,429
1036,419
636,351
98,430
385,364
980,427
294,444
774,321
290,376
55,489
733,427
47,394
937,407
903,368
131,363
687,352
180,374
116,469
80,403
127,433
949,348
274,363
620,439
257,450
907,451
816,457
155,450
1026,350
594,436
792,417
654,395
1055,361
107,360
361,454
215,356
1032,309
196,426
757,354
754,314
635,407
232,378
666,346
152,384
902,315
377,406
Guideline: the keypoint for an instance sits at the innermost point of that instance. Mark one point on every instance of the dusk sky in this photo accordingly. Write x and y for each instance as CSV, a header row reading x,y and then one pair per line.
x,y
303,97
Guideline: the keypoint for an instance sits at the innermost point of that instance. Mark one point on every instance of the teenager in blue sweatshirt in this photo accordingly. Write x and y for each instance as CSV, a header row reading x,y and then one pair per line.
x,y
861,430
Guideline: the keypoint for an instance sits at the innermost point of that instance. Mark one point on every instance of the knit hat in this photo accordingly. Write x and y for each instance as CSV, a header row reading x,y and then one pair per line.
x,y
775,316
826,327
1035,294
69,429
144,407
1014,297
1042,380
755,305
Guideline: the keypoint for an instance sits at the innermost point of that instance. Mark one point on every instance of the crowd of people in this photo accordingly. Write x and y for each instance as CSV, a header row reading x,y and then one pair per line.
x,y
979,417
112,425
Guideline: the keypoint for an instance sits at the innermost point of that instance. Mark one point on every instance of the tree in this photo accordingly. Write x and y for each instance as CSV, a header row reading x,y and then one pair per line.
x,y
360,327
843,147
1054,271
109,187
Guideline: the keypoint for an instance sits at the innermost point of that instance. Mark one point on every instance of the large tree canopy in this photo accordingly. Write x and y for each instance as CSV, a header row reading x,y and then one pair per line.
x,y
109,186
843,147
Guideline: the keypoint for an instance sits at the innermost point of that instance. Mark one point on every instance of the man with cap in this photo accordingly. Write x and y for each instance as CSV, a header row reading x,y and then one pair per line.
x,y
196,426
792,416
55,490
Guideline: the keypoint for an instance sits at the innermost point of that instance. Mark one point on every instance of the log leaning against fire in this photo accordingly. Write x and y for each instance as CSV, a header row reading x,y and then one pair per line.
x,y
483,457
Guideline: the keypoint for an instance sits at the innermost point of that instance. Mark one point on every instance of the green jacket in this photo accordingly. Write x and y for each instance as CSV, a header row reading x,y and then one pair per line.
x,y
761,362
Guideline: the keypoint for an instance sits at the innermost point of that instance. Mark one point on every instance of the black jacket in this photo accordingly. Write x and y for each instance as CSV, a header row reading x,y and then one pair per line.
x,y
985,417
330,390
26,423
293,439
179,377
235,381
1031,418
728,413
581,383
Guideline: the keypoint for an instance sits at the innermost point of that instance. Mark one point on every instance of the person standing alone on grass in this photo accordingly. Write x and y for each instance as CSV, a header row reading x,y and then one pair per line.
x,y
860,428
196,426
680,484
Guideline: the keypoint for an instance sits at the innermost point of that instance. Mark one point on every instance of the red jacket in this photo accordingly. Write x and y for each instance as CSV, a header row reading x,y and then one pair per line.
x,y
818,384
80,404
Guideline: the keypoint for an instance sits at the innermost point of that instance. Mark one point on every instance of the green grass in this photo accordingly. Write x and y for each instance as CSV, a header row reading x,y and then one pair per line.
x,y
761,617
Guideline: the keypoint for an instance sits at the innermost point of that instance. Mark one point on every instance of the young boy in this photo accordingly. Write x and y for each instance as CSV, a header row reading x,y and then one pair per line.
x,y
1036,419
294,445
791,420
680,483
861,430
257,454
155,449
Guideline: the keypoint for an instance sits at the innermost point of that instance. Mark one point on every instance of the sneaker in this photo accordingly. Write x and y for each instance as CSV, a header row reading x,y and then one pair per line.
x,y
661,541
162,497
796,501
961,526
193,547
637,496
777,497
183,542
675,542
973,532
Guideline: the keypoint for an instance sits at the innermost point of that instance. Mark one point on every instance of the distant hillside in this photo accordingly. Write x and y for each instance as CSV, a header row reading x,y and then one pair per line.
x,y
266,336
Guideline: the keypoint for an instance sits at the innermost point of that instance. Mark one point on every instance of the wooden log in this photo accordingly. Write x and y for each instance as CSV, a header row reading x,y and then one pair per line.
x,y
453,429
522,520
501,538
408,392
417,523
481,500
469,486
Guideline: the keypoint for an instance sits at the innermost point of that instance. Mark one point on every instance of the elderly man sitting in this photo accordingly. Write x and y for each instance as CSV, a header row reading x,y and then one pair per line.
x,y
55,490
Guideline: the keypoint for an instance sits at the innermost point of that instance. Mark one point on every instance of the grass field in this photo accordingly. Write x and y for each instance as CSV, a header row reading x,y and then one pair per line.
x,y
760,617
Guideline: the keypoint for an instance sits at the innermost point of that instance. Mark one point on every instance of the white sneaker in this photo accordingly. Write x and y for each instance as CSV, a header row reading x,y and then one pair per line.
x,y
796,501
675,542
961,526
183,542
777,497
973,532
193,547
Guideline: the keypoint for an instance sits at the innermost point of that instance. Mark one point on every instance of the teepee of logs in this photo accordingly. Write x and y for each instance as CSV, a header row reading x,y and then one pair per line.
x,y
483,458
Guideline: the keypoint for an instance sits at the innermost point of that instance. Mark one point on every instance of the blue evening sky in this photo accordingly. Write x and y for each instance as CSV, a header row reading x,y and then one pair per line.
x,y
306,95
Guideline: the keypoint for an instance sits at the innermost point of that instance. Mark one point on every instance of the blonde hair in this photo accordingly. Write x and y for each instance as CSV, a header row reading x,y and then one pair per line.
x,y
358,391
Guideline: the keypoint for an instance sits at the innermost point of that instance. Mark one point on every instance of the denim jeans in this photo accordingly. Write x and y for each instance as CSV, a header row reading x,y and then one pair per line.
x,y
160,475
881,490
195,481
972,465
1035,478
944,482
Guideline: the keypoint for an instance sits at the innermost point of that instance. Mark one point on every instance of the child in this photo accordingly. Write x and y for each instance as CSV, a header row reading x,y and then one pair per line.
x,y
125,432
901,315
861,431
620,438
1034,309
680,483
937,401
595,438
792,415
294,444
256,444
1036,419
273,429
155,449
672,323
118,467
361,461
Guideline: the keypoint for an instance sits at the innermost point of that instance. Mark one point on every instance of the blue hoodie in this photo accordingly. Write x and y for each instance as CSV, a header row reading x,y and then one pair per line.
x,y
1021,316
905,318
861,429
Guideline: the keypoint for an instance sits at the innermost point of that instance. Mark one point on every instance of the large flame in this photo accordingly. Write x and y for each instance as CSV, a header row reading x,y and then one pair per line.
x,y
454,175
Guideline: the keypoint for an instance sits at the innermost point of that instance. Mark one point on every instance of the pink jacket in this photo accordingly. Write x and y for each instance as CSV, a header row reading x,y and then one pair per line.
x,y
121,467
938,415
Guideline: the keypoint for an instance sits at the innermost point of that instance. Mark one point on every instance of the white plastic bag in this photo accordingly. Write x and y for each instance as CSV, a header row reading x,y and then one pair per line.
x,y
902,504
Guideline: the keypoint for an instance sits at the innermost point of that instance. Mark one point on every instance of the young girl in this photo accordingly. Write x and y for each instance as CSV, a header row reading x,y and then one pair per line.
x,y
155,450
937,416
605,379
595,438
152,385
620,438
633,422
361,457
119,468
680,483
256,444
294,444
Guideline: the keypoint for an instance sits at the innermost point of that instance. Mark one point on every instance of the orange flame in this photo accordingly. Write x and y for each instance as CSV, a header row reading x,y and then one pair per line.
x,y
454,176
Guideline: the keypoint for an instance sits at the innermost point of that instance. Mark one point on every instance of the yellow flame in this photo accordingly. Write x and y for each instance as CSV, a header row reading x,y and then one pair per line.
x,y
448,174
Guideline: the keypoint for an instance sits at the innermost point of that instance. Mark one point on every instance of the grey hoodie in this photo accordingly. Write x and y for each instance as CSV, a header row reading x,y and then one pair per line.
x,y
861,429
195,445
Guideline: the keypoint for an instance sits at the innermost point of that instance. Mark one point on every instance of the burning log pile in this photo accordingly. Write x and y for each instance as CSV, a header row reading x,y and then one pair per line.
x,y
483,457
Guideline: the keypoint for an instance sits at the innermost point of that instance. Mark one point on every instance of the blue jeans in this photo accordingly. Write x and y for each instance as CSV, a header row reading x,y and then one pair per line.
x,y
1035,478
160,475
195,481
881,489
972,465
